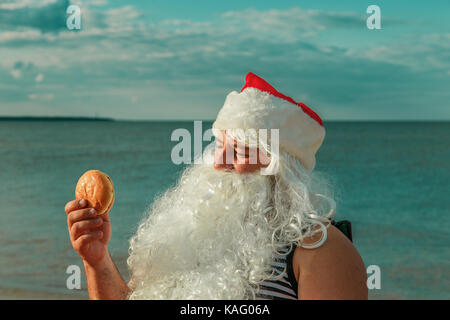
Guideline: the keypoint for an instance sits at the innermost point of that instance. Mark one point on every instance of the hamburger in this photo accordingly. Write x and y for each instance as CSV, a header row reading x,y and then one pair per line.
x,y
97,189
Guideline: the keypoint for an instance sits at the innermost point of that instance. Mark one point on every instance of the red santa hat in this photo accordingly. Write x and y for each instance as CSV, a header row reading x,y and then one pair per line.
x,y
260,106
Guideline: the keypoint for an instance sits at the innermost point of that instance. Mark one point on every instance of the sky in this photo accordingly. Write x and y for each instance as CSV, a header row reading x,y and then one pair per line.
x,y
177,60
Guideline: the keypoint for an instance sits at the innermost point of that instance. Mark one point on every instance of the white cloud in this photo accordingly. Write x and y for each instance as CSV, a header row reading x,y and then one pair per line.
x,y
202,60
18,4
94,3
28,35
122,18
421,53
17,74
41,97
290,24
39,78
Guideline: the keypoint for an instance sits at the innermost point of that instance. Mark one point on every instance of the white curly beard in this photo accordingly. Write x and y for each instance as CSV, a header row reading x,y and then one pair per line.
x,y
215,234
207,238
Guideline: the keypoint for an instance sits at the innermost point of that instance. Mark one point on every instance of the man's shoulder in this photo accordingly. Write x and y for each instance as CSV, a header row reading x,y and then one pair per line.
x,y
334,270
337,252
336,245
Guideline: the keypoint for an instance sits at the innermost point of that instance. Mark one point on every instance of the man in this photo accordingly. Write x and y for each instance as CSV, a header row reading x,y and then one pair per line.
x,y
236,226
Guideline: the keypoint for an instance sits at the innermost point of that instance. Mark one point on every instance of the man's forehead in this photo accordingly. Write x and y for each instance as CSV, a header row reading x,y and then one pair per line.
x,y
223,134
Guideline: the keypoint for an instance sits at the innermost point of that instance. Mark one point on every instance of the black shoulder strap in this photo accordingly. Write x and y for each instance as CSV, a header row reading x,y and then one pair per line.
x,y
290,270
345,227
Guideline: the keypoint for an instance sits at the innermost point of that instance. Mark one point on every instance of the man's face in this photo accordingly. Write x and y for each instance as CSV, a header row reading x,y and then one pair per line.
x,y
230,155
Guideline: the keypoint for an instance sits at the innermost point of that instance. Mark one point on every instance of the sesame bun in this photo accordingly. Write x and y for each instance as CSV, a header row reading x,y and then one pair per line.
x,y
97,188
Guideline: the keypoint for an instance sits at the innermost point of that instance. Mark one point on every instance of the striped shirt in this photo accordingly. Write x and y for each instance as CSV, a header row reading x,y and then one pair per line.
x,y
282,285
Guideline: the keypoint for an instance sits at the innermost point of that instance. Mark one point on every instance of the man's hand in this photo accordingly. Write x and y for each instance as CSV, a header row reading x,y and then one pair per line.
x,y
89,233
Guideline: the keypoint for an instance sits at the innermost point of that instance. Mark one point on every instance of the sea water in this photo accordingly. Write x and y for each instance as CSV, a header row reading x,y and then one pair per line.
x,y
391,180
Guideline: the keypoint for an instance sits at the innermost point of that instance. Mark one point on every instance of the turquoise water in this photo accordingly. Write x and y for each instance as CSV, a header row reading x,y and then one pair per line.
x,y
392,181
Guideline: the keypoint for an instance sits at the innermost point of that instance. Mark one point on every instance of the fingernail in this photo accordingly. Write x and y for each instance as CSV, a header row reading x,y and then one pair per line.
x,y
82,202
92,211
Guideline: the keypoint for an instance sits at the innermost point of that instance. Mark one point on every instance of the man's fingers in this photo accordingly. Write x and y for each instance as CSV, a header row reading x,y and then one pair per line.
x,y
105,216
75,205
85,226
79,215
87,238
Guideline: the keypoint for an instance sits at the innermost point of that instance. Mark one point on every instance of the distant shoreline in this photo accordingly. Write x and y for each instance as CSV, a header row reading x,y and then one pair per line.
x,y
57,118
54,119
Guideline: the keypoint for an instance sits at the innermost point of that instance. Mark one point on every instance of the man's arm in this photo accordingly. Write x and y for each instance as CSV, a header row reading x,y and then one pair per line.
x,y
333,271
104,281
89,234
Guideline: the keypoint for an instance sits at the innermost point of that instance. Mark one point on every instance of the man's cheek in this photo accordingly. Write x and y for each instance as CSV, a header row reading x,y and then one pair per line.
x,y
218,157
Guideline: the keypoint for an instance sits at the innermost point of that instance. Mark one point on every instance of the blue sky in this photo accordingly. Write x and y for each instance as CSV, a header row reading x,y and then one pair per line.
x,y
178,60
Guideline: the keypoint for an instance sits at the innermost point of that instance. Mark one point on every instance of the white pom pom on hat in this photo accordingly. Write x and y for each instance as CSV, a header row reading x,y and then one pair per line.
x,y
261,106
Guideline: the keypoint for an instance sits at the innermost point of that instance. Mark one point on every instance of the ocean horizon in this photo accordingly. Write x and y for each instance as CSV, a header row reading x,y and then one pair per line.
x,y
87,118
